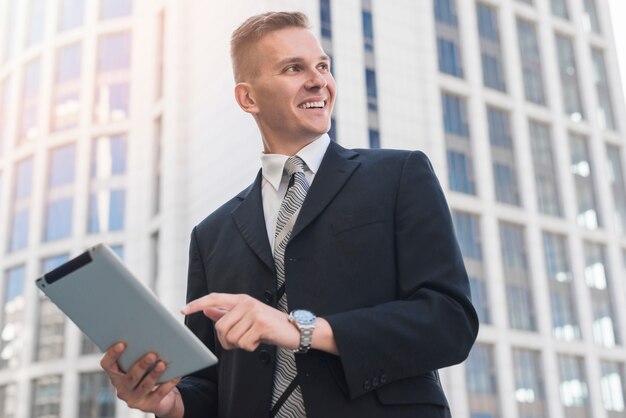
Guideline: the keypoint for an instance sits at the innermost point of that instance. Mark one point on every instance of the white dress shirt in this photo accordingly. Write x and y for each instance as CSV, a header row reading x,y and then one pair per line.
x,y
274,184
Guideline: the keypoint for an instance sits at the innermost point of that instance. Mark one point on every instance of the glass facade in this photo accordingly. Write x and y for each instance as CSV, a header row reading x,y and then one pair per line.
x,y
605,327
565,325
467,228
59,209
459,152
612,386
603,90
531,62
618,187
519,295
51,323
29,117
71,14
529,385
66,95
546,180
572,102
482,384
503,157
582,170
97,396
490,49
11,343
113,77
46,398
573,387
448,39
8,401
21,205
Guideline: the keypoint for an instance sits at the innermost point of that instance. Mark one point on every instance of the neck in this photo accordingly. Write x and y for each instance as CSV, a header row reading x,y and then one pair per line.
x,y
289,148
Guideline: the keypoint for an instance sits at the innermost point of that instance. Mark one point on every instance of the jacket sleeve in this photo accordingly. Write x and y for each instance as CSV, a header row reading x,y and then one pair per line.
x,y
199,390
432,323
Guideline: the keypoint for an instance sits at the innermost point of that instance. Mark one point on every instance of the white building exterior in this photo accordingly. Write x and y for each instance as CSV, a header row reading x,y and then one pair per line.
x,y
118,125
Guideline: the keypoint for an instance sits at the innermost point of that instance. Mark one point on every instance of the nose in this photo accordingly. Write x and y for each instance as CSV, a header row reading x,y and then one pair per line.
x,y
315,81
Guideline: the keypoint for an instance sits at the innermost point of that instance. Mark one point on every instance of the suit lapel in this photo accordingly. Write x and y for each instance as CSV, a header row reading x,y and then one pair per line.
x,y
336,168
250,221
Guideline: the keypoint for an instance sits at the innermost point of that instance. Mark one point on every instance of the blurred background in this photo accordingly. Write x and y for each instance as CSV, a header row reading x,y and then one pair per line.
x,y
117,125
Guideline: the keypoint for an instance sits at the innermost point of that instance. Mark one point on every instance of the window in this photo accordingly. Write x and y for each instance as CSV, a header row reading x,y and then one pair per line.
x,y
59,195
28,128
325,18
516,276
108,156
97,396
529,391
449,57
66,89
21,204
598,281
158,165
455,116
618,187
559,8
110,9
374,138
581,168
11,343
10,22
46,401
36,22
491,54
113,77
467,230
8,397
546,183
531,62
603,90
590,16
51,321
445,12
565,324
372,91
611,384
368,30
160,61
106,211
481,380
71,14
504,172
572,103
5,97
573,386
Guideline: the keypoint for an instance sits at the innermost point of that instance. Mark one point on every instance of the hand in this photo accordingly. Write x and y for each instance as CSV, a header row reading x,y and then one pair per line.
x,y
163,399
242,321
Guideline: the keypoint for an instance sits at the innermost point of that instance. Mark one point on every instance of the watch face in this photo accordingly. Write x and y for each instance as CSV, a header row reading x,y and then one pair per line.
x,y
303,317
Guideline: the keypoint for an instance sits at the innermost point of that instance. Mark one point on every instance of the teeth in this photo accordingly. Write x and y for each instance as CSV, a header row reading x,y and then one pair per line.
x,y
311,104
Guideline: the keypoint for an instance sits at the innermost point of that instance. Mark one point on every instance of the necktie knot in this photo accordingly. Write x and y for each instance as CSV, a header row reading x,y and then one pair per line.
x,y
294,165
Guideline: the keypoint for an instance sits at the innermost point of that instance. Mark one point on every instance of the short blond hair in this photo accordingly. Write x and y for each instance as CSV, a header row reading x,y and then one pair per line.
x,y
244,38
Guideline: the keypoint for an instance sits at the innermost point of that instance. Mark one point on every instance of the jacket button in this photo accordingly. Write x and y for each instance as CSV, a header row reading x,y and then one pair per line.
x,y
376,381
268,296
265,356
383,379
367,385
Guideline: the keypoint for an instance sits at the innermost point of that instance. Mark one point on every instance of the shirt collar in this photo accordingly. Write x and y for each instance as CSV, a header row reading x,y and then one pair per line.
x,y
312,155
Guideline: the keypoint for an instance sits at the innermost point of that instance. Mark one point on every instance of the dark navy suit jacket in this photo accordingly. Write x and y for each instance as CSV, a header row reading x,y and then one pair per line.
x,y
373,251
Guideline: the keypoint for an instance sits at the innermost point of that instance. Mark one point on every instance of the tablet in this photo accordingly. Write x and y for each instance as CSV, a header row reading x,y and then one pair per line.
x,y
102,297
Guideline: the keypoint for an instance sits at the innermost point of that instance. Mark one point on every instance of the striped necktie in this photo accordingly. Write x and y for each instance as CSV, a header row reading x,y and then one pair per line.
x,y
287,399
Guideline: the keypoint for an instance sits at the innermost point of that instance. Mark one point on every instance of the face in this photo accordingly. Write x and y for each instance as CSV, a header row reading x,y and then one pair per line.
x,y
293,92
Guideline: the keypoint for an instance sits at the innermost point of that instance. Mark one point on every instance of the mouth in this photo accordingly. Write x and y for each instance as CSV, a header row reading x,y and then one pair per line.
x,y
320,104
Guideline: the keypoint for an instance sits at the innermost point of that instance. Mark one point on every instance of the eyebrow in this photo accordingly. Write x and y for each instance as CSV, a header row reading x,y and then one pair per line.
x,y
290,60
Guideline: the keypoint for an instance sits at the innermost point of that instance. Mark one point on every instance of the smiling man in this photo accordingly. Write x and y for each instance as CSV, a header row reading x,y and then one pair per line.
x,y
333,285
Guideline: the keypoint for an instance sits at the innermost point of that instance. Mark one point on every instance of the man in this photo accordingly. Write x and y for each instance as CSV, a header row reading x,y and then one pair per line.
x,y
361,238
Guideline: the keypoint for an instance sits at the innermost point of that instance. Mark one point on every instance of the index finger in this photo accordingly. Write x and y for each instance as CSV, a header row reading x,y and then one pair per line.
x,y
212,300
109,360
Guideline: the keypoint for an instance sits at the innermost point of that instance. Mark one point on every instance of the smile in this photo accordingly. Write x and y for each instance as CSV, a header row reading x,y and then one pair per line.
x,y
316,105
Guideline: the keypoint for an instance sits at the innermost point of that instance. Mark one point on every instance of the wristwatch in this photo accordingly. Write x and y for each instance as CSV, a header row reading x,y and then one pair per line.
x,y
305,322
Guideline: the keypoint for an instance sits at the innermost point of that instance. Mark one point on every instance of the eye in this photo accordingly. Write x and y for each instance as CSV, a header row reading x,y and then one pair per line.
x,y
324,66
291,69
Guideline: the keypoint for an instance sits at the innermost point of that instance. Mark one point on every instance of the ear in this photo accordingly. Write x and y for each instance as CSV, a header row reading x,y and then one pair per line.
x,y
245,99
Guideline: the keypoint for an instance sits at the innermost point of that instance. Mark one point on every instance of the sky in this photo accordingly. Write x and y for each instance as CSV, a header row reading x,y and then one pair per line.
x,y
618,21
